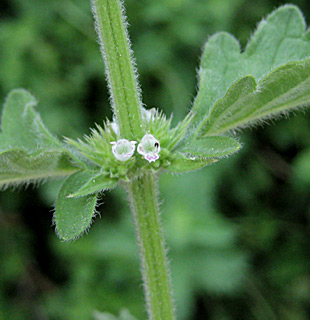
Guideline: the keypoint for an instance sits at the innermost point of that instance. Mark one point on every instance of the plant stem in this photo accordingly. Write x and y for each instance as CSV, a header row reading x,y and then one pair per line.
x,y
125,93
120,68
157,284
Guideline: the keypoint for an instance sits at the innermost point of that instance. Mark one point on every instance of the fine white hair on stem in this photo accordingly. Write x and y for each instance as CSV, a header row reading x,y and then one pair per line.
x,y
102,49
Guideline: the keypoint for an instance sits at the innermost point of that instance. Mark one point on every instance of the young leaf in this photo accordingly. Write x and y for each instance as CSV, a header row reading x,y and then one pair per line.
x,y
285,88
181,163
98,182
279,39
17,166
74,215
212,147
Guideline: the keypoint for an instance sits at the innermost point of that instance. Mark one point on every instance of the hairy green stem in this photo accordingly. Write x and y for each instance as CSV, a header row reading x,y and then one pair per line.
x,y
157,284
120,68
125,93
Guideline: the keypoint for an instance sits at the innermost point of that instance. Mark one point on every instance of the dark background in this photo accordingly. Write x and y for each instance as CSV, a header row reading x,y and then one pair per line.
x,y
238,231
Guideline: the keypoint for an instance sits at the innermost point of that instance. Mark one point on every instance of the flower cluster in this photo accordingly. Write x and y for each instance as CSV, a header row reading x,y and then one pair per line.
x,y
149,148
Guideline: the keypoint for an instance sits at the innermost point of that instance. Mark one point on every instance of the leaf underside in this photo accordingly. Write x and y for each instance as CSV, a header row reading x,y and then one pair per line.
x,y
73,216
271,77
28,152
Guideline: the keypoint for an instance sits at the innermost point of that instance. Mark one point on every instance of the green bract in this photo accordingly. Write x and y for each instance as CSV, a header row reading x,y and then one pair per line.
x,y
271,77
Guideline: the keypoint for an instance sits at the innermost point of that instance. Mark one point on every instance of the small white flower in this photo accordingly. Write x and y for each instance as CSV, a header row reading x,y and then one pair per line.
x,y
123,149
149,148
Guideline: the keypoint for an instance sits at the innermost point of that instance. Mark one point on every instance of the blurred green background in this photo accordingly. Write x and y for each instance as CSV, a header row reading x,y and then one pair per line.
x,y
237,232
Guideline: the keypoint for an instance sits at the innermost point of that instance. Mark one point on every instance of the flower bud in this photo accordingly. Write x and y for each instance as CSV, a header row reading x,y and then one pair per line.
x,y
149,148
123,149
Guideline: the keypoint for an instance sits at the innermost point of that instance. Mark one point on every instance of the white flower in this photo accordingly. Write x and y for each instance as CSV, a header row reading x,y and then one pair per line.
x,y
123,149
149,148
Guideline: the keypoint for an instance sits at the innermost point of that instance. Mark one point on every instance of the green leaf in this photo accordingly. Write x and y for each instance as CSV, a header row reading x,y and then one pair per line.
x,y
21,126
279,39
212,147
73,216
98,182
181,163
285,88
17,166
28,152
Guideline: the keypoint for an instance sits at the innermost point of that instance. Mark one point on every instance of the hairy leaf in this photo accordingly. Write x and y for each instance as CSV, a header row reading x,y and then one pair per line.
x,y
21,126
98,182
74,215
17,166
246,102
182,163
212,147
279,39
28,152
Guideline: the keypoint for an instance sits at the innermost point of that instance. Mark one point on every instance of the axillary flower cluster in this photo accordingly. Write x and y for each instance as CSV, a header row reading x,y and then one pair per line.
x,y
149,148
120,158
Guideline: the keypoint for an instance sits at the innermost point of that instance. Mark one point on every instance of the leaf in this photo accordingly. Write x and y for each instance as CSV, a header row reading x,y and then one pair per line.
x,y
28,152
182,163
73,216
21,126
17,166
96,183
279,39
212,147
285,88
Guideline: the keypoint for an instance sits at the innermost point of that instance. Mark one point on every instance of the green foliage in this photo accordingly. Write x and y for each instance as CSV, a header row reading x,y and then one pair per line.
x,y
20,167
28,151
22,126
278,40
281,91
74,215
201,240
277,91
96,183
181,163
212,147
271,228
